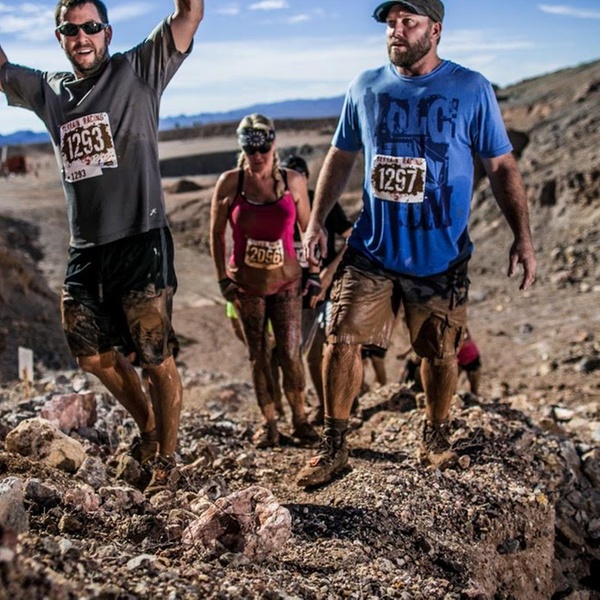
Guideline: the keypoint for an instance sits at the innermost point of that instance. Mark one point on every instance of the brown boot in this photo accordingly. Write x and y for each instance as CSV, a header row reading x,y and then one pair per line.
x,y
331,458
436,449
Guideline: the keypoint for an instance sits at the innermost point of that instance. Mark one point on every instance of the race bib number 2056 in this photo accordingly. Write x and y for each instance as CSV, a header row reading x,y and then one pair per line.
x,y
399,178
87,147
261,254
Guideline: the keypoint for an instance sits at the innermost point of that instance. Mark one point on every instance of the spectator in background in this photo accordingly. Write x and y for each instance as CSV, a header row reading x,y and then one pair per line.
x,y
469,362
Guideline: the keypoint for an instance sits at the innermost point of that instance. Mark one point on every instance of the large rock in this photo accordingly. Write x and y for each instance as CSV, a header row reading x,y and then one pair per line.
x,y
71,411
250,522
39,440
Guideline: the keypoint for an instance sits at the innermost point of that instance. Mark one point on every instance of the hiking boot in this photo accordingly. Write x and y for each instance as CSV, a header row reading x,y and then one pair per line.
x,y
331,458
305,432
165,475
436,449
267,436
143,450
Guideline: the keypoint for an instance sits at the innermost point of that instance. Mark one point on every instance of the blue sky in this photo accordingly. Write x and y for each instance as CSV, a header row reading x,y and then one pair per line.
x,y
270,50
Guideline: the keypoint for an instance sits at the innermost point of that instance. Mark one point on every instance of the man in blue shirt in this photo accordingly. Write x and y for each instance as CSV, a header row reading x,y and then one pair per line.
x,y
418,120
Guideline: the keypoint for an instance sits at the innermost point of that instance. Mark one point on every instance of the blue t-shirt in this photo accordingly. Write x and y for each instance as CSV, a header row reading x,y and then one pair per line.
x,y
418,135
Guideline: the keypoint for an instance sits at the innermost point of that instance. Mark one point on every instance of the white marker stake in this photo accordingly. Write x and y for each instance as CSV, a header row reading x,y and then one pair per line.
x,y
26,367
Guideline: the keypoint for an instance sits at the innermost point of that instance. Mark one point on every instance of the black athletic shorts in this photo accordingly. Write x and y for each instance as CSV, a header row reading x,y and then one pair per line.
x,y
121,295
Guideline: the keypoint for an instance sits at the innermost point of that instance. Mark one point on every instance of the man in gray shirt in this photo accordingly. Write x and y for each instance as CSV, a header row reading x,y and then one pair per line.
x,y
120,279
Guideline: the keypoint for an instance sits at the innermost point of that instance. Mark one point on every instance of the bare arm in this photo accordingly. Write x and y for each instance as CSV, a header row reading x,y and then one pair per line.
x,y
509,192
299,188
330,185
218,223
186,18
3,61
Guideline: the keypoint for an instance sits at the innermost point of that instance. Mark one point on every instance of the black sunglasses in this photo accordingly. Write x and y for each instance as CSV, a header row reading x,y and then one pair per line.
x,y
89,28
250,150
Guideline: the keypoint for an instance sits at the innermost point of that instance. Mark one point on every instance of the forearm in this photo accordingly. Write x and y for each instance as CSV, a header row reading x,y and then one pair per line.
x,y
509,191
334,176
186,18
217,250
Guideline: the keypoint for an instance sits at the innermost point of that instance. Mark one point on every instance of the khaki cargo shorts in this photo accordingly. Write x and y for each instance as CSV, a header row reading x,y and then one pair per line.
x,y
367,298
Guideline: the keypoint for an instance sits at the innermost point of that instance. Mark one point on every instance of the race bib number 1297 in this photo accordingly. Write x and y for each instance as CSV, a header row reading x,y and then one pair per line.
x,y
87,147
399,178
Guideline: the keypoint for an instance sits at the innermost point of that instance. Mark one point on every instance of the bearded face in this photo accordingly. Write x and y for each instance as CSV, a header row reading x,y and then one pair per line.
x,y
406,51
86,52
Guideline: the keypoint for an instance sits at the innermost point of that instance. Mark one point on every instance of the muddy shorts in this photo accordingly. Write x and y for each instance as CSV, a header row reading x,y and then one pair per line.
x,y
366,300
121,295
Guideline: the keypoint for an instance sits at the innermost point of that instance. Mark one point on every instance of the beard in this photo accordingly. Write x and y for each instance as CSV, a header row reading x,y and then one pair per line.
x,y
87,69
410,54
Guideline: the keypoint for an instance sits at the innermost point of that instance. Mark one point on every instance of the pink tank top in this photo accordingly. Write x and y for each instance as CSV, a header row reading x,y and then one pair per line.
x,y
263,258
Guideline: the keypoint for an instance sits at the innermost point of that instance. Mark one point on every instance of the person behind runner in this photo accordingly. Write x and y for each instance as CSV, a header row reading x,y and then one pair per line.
x,y
103,121
315,309
262,278
469,362
418,120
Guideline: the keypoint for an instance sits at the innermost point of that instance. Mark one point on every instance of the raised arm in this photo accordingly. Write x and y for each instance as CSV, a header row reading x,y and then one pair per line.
x,y
509,191
3,61
185,21
330,185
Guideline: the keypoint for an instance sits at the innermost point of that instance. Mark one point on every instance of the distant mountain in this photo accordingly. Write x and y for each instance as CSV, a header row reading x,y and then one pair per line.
x,y
288,109
24,137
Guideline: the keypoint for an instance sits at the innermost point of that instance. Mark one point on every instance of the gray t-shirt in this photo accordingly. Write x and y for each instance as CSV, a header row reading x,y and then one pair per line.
x,y
104,130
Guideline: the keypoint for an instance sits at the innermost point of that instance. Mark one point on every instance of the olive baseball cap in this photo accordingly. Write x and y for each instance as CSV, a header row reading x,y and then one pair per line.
x,y
433,9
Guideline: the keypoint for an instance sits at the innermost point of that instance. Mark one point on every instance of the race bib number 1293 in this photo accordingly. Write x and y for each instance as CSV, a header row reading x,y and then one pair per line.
x,y
87,147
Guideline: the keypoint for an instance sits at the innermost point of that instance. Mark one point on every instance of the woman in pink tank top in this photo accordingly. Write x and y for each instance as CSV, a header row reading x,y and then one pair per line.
x,y
262,203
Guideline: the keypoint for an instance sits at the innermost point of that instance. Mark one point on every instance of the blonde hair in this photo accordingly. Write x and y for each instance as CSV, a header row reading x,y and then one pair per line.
x,y
257,121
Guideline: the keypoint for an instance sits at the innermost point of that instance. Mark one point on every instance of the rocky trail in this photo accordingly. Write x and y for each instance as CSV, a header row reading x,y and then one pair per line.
x,y
518,518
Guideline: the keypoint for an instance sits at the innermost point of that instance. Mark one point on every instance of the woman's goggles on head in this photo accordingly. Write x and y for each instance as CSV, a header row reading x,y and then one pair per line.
x,y
89,28
256,140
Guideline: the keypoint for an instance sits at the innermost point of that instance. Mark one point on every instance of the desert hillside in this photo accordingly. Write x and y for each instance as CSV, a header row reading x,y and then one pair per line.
x,y
519,519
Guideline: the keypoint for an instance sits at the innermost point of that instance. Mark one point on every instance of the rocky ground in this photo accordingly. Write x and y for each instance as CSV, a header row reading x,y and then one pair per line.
x,y
518,518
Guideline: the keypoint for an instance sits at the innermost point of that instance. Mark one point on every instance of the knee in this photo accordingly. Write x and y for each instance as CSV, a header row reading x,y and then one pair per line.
x,y
437,341
95,363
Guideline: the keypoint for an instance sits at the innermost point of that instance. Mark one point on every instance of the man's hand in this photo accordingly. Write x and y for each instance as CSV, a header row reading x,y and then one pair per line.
x,y
523,253
228,289
315,243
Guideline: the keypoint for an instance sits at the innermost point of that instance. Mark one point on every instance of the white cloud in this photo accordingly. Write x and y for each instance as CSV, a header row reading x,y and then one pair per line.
x,y
298,19
569,11
269,5
229,11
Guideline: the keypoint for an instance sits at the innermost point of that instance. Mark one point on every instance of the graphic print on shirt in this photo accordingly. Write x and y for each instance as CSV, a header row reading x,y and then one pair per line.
x,y
87,146
410,163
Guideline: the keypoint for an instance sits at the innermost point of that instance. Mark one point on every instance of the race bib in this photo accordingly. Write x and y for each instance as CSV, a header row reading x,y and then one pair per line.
x,y
300,254
87,147
399,178
264,255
